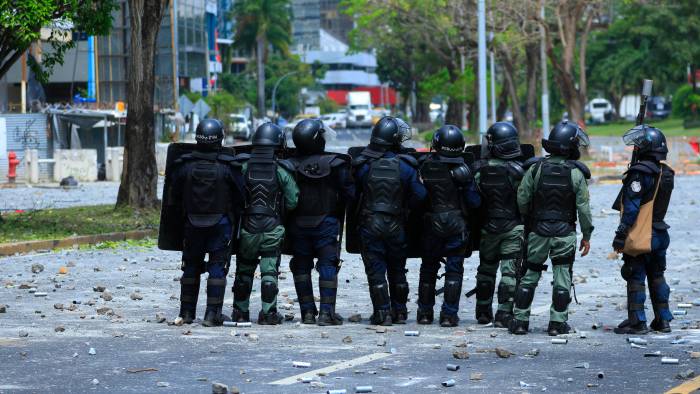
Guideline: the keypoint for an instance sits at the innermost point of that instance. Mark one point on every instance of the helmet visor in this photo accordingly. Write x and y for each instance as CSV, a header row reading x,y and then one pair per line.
x,y
329,135
404,130
635,136
582,137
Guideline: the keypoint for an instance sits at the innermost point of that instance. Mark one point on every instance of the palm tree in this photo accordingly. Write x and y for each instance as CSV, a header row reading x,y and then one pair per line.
x,y
261,24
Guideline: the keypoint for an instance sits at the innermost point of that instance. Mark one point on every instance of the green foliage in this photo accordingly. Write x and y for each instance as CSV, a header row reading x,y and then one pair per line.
x,y
266,19
671,127
288,90
223,103
61,223
686,103
21,22
240,85
442,84
328,106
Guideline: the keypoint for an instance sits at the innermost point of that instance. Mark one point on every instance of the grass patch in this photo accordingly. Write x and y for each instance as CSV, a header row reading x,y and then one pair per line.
x,y
67,222
671,127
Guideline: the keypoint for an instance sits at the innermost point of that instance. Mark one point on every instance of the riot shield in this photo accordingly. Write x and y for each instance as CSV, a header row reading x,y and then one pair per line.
x,y
352,222
287,247
172,216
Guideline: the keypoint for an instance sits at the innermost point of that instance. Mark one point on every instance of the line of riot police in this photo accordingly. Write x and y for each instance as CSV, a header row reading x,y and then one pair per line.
x,y
265,200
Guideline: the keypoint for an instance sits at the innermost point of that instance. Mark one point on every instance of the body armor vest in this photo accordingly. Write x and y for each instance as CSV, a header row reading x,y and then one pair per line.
x,y
446,216
207,194
382,205
318,195
263,194
554,202
501,199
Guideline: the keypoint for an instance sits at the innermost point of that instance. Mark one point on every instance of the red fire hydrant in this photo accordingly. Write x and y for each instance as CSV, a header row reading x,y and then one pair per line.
x,y
12,166
695,145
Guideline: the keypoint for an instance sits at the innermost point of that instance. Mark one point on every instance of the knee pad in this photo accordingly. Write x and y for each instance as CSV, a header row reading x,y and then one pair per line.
x,y
242,287
379,294
524,296
484,289
539,267
301,264
399,292
505,293
453,288
268,293
560,299
627,271
563,260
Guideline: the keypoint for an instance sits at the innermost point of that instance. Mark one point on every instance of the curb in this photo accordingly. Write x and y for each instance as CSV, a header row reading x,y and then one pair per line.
x,y
13,248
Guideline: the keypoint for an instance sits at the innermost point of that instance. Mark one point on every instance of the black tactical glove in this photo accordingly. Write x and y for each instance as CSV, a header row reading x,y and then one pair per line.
x,y
620,236
462,175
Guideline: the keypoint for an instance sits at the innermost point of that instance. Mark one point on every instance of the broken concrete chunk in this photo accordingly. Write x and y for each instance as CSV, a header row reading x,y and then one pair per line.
x,y
105,311
219,388
356,318
99,289
92,351
687,374
59,329
347,339
3,308
136,296
503,353
160,317
460,355
107,296
476,376
36,268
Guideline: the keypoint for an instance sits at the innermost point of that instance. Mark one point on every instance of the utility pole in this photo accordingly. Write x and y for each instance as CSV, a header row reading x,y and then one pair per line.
x,y
493,83
545,85
481,15
23,84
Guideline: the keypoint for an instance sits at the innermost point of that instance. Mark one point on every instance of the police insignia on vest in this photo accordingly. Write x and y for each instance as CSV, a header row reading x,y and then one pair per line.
x,y
636,186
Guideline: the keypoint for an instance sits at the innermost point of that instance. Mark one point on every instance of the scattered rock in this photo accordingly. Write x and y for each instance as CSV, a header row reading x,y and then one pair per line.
x,y
178,321
99,289
533,352
476,376
694,354
461,344
460,355
234,390
324,334
136,296
58,306
162,384
23,334
687,374
3,308
253,337
36,268
503,353
160,317
59,329
187,332
95,382
105,311
107,296
356,318
380,330
92,351
288,316
347,339
63,270
219,388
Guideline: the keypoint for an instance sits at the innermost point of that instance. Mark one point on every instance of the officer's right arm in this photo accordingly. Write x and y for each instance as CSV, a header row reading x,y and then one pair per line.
x,y
525,191
289,188
410,178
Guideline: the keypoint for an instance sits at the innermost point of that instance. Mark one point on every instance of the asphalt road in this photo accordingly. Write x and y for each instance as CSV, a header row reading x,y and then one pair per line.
x,y
35,357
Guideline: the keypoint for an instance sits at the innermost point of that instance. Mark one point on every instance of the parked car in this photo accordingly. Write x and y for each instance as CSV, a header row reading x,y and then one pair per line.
x,y
600,110
335,120
239,126
658,108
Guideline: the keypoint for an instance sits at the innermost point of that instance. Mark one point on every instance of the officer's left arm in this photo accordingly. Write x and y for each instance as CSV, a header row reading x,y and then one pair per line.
x,y
289,188
525,191
345,183
466,183
409,177
583,206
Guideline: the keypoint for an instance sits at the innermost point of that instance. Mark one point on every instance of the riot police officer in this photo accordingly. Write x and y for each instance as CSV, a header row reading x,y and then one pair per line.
x,y
451,191
387,183
209,185
270,190
498,177
552,191
647,181
324,185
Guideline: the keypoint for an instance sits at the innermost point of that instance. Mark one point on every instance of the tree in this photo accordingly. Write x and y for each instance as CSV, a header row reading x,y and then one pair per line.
x,y
21,22
139,183
259,25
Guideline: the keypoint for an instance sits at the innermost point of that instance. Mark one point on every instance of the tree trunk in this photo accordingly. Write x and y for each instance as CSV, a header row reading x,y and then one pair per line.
x,y
139,183
454,112
511,86
259,53
422,114
532,55
502,105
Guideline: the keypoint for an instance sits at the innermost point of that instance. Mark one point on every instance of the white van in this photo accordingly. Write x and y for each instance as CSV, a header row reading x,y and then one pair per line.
x,y
600,110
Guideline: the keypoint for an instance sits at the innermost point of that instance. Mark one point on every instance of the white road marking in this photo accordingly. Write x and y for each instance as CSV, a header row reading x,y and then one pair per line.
x,y
333,368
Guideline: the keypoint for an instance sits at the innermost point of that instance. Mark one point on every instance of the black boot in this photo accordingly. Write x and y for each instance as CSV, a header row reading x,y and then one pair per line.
x,y
484,314
399,317
660,325
308,317
272,318
558,328
399,296
448,320
631,327
213,317
502,319
424,316
329,318
518,327
305,295
216,287
379,294
239,316
189,293
328,289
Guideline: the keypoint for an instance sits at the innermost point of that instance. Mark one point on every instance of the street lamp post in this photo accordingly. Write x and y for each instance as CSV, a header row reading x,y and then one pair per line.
x,y
274,89
481,31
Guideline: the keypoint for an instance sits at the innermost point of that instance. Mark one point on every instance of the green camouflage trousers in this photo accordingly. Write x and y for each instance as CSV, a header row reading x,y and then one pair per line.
x,y
501,248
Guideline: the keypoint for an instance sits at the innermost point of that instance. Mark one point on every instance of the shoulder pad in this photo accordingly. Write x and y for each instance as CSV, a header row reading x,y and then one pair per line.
x,y
410,160
287,165
359,161
479,164
515,169
647,167
668,168
338,161
225,157
242,157
529,162
582,167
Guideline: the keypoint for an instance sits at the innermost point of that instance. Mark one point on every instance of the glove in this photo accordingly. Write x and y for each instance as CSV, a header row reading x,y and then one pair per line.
x,y
620,236
462,175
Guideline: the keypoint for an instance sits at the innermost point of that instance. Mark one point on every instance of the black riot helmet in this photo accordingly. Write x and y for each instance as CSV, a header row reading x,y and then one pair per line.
x,y
390,132
308,136
649,142
209,133
448,141
565,139
502,140
269,134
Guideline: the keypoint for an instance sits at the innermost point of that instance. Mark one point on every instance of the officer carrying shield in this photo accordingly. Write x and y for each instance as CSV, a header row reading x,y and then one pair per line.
x,y
552,191
209,186
644,198
270,190
451,191
325,184
387,182
498,178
